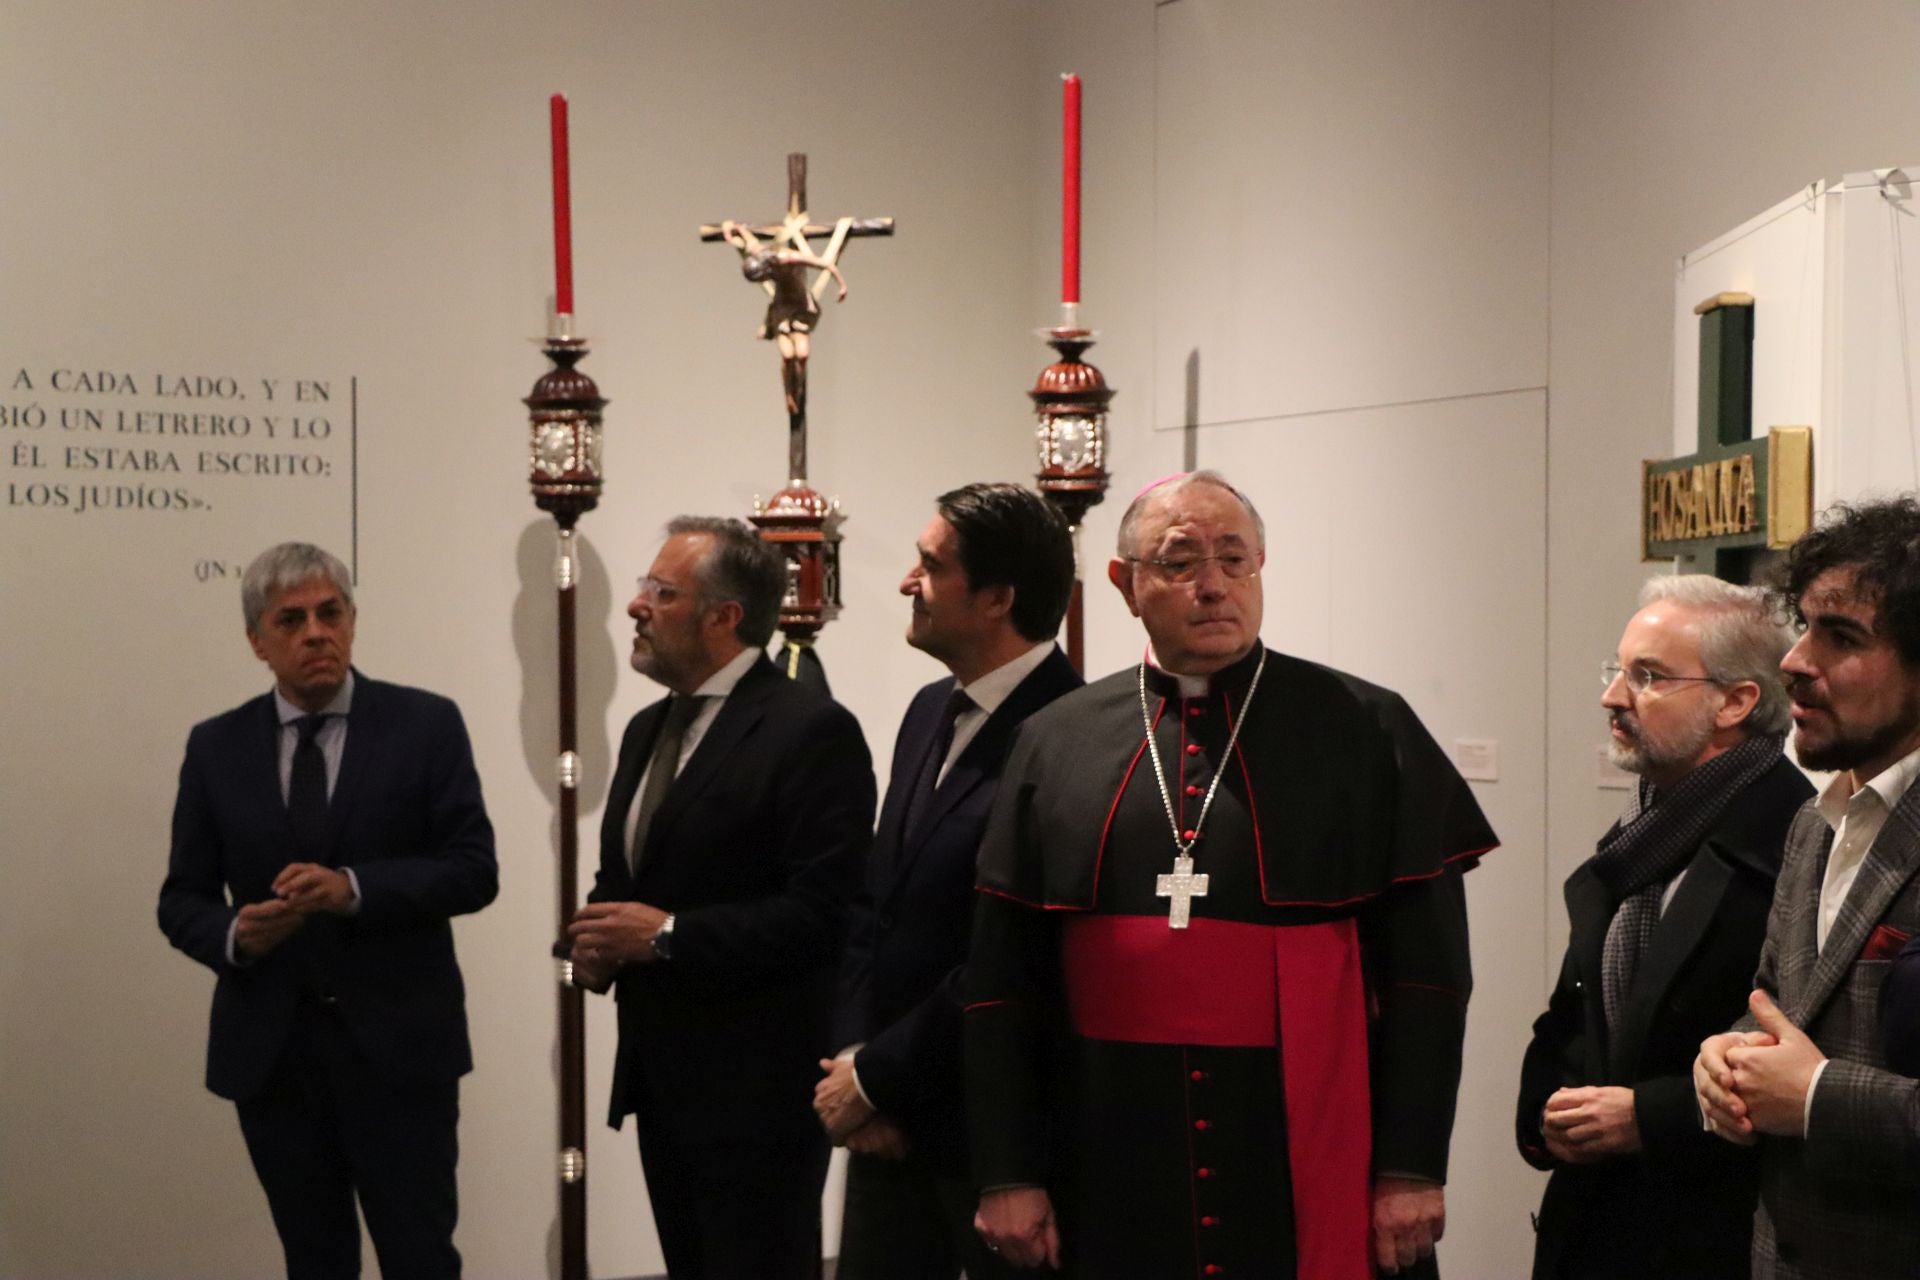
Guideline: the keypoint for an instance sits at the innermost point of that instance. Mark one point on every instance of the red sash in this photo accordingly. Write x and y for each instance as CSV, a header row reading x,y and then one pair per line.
x,y
1223,983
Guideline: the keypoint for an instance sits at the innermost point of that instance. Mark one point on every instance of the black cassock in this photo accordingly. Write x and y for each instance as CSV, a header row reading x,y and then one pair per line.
x,y
1215,1100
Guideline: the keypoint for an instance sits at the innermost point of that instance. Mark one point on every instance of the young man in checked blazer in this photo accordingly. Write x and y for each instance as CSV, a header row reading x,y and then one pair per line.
x,y
1806,1075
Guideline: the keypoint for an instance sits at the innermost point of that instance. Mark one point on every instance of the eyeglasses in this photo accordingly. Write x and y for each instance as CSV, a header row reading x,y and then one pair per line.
x,y
659,592
1640,679
1233,564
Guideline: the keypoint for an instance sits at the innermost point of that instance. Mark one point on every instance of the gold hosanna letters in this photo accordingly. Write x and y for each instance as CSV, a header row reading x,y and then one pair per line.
x,y
1706,500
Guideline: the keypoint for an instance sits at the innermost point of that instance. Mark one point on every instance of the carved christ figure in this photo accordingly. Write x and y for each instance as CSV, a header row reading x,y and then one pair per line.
x,y
793,308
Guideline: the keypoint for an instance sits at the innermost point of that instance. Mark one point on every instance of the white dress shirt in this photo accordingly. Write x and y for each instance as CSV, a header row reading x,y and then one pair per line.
x,y
986,693
331,738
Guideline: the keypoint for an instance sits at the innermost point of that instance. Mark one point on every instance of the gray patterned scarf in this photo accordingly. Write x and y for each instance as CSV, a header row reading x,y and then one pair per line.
x,y
1652,843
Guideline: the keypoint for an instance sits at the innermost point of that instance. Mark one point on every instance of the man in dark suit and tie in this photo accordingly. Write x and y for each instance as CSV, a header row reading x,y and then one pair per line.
x,y
324,835
740,810
1807,1075
1667,919
993,574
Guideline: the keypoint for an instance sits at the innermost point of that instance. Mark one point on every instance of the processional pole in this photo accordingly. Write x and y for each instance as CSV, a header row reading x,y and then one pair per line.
x,y
564,420
798,519
1071,396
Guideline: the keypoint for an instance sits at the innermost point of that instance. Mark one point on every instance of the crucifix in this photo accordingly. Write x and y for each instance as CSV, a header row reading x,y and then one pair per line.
x,y
778,257
1183,887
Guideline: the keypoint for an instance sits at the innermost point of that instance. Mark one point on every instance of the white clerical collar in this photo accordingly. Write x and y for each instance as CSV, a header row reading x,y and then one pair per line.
x,y
721,682
1889,785
337,706
990,690
1190,686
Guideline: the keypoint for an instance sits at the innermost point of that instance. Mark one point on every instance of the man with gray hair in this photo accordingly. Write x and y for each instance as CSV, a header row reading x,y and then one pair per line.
x,y
324,835
1219,974
1667,919
735,829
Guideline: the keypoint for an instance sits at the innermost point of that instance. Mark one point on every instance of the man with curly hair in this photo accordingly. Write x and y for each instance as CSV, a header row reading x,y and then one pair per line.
x,y
1806,1074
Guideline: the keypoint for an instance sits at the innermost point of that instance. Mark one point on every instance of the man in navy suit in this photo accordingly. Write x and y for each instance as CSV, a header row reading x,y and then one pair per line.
x,y
990,585
740,809
324,835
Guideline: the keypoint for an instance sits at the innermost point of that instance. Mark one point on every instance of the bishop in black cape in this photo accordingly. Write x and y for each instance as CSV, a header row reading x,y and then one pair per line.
x,y
1218,1100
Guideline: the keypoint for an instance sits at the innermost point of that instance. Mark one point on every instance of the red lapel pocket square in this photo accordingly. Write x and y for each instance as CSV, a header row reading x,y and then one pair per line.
x,y
1884,943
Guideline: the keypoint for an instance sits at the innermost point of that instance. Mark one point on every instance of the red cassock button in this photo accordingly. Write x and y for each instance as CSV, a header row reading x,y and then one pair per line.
x,y
1196,1076
1209,1221
1196,708
1203,1172
1211,1270
1188,835
1192,790
1203,1125
1193,748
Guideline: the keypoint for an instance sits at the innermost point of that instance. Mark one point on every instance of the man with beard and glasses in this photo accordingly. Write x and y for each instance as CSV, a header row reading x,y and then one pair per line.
x,y
735,827
1806,1075
1666,919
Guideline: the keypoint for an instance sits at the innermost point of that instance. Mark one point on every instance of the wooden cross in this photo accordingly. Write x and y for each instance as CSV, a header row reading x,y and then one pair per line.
x,y
1183,887
795,227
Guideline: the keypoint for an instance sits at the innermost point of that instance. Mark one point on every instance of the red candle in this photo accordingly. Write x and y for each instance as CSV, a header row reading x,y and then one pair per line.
x,y
562,211
1070,193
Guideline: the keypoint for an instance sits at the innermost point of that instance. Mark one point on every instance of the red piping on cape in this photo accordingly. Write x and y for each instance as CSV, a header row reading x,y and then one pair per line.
x,y
1264,899
1253,811
1125,782
983,1004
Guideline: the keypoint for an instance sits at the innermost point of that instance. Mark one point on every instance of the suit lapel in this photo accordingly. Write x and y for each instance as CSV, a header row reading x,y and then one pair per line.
x,y
1889,864
366,734
917,732
1681,927
1589,909
738,715
262,765
637,746
980,762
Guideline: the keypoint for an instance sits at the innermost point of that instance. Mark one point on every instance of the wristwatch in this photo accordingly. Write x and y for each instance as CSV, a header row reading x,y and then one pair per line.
x,y
663,939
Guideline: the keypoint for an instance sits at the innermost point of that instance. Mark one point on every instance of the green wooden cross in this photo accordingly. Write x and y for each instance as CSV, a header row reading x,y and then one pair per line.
x,y
1734,497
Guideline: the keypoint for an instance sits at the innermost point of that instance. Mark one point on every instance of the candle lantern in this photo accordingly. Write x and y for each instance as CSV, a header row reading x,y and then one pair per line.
x,y
564,421
806,528
564,472
1071,399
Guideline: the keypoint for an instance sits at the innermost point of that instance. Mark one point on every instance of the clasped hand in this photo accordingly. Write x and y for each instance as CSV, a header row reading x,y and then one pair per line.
x,y
300,890
1754,1082
610,935
1590,1123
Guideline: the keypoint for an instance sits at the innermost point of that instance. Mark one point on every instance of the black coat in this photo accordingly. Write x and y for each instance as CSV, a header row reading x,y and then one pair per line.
x,y
405,815
1682,1207
755,850
899,981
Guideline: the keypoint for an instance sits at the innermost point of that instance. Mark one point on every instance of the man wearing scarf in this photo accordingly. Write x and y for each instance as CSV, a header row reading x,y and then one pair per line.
x,y
1666,919
1219,972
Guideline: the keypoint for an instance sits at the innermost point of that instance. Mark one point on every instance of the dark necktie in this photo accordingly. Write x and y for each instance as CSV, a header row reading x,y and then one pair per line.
x,y
307,792
920,803
661,766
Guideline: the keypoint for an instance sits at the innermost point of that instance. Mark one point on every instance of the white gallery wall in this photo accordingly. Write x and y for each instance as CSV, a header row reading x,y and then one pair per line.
x,y
357,194
1405,271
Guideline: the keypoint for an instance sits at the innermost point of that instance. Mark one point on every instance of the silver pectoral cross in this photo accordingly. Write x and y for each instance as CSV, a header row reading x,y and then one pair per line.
x,y
1183,887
